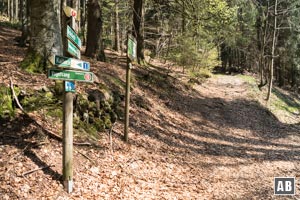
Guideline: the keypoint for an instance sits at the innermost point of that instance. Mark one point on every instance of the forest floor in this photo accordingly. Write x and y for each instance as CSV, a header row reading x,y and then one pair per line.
x,y
210,141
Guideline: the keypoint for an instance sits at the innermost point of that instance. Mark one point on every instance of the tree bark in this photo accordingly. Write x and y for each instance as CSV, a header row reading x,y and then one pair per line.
x,y
11,16
16,16
25,23
137,29
83,21
45,34
8,9
117,27
94,47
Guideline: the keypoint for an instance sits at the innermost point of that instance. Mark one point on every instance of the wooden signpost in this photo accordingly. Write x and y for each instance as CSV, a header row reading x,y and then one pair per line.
x,y
72,45
131,56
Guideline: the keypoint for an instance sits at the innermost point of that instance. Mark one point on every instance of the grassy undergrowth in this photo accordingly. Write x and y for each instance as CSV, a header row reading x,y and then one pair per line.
x,y
283,104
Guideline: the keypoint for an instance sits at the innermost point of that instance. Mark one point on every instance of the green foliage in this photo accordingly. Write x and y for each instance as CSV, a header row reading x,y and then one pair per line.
x,y
186,53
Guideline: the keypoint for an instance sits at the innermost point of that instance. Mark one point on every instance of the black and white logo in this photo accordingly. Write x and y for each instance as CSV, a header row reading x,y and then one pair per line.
x,y
284,186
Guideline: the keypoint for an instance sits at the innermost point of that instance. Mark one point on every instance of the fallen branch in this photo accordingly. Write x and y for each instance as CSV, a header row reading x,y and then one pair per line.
x,y
84,155
37,169
14,95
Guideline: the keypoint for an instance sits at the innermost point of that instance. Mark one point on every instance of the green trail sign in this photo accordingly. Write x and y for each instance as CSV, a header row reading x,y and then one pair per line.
x,y
73,50
73,36
72,63
70,75
131,48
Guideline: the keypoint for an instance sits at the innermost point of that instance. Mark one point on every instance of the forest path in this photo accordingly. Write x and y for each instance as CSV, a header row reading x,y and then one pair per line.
x,y
215,142
211,142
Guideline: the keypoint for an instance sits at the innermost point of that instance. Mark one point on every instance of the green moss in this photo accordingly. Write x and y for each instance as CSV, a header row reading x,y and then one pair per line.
x,y
57,113
285,102
35,100
249,79
6,103
34,63
59,88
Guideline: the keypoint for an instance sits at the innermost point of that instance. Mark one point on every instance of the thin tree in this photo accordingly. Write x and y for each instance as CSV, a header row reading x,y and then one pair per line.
x,y
117,27
273,53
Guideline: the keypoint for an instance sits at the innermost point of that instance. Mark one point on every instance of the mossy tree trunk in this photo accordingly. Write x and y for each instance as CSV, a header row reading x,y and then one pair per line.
x,y
45,34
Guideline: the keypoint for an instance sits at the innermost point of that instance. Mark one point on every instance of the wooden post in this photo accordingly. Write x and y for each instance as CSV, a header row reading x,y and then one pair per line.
x,y
131,55
127,99
68,127
68,141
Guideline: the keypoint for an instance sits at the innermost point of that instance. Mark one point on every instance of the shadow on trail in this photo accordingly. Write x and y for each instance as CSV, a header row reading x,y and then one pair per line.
x,y
18,137
220,116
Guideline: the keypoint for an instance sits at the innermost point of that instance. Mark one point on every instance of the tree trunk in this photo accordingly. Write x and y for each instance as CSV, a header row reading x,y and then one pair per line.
x,y
45,34
8,9
273,53
117,27
137,29
83,22
11,17
94,47
16,16
24,19
183,22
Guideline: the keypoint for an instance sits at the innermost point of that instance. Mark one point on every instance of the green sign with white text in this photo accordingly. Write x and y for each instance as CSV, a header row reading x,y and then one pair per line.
x,y
70,75
73,50
73,36
131,48
72,63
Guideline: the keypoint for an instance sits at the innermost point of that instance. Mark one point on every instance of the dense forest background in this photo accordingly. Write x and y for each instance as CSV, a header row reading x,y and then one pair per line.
x,y
214,98
237,35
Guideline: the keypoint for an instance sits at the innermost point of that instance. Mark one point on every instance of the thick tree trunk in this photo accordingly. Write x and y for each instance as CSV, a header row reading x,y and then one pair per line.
x,y
94,47
117,27
45,34
137,29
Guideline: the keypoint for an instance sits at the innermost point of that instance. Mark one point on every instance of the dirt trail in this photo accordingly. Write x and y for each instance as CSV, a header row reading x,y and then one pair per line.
x,y
213,142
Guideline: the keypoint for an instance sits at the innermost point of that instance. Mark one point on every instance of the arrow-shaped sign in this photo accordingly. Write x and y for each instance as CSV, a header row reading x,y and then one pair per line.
x,y
71,12
73,36
72,63
73,50
70,75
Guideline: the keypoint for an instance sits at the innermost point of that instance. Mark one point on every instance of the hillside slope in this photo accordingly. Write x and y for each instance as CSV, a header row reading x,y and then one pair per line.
x,y
213,141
